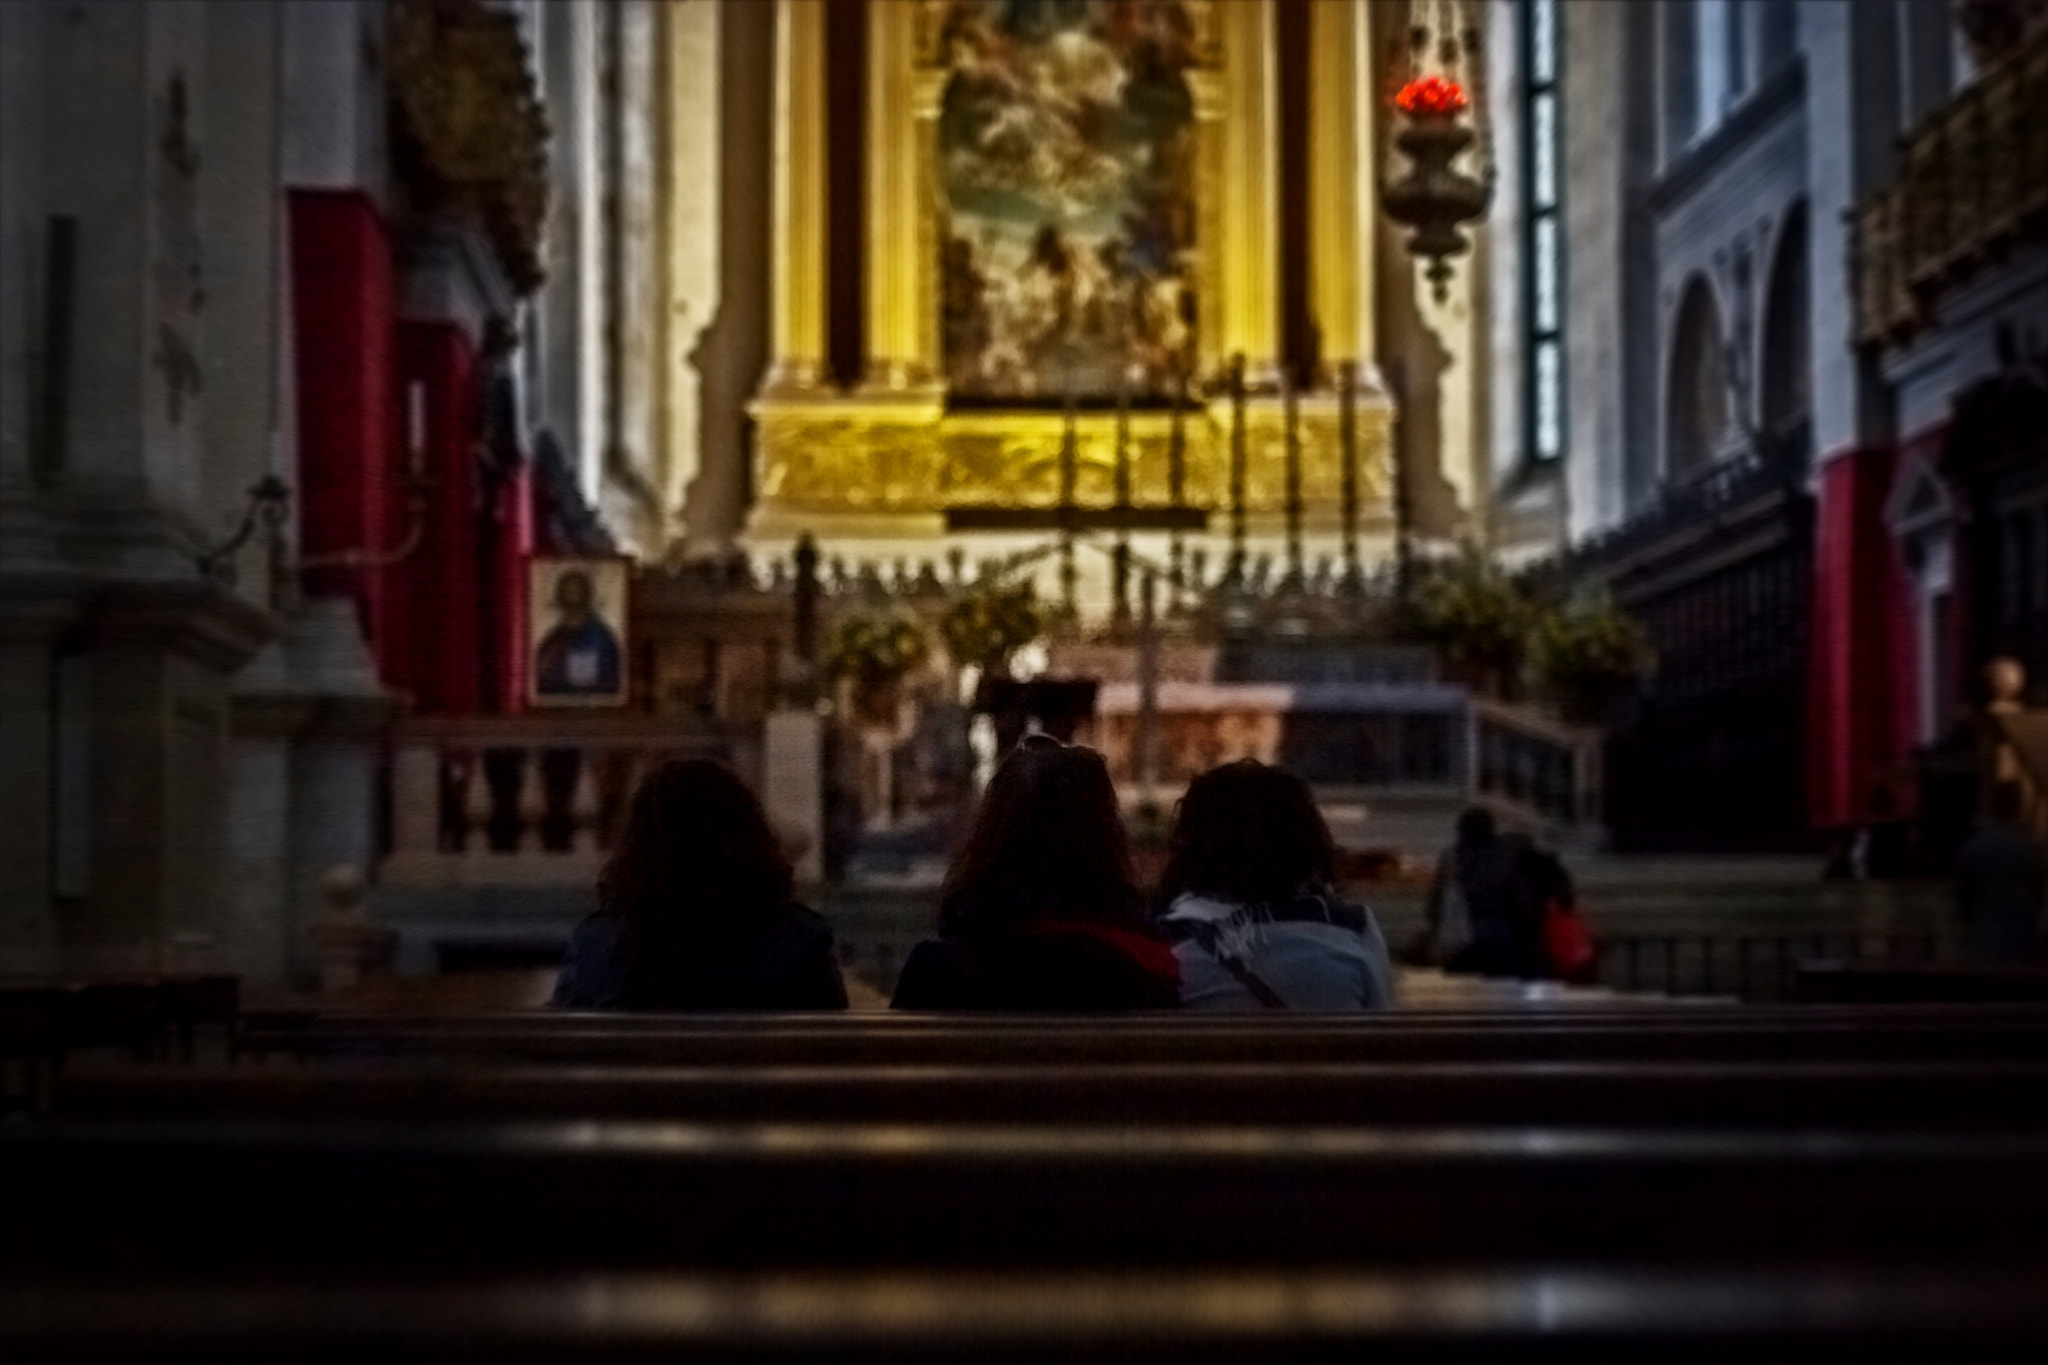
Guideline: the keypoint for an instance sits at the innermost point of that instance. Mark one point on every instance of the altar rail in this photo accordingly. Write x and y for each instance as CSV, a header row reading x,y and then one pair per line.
x,y
1419,739
526,800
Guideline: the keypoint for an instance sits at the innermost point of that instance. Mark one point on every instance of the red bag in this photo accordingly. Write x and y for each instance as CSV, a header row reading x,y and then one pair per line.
x,y
1568,943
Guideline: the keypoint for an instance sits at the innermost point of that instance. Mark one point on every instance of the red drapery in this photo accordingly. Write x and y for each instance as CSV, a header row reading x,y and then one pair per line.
x,y
343,332
1862,692
445,621
437,591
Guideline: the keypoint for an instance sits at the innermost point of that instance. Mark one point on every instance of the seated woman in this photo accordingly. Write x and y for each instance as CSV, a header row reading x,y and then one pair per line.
x,y
1251,905
694,909
1040,909
1481,915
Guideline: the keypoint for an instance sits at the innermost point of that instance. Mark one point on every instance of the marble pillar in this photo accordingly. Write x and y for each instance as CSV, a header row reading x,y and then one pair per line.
x,y
797,308
1248,200
734,350
693,89
634,481
309,716
900,105
1343,183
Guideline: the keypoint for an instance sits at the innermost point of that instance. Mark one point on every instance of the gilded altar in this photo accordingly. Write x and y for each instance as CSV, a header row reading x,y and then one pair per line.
x,y
1147,140
841,456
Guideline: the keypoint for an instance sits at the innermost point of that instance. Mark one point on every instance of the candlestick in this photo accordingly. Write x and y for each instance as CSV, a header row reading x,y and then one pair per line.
x,y
1069,457
1176,475
1120,604
1123,441
1235,573
1293,457
1176,441
1347,441
1148,701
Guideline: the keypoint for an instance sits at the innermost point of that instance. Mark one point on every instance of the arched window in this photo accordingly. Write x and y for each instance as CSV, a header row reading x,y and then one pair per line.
x,y
1543,240
1697,419
1787,398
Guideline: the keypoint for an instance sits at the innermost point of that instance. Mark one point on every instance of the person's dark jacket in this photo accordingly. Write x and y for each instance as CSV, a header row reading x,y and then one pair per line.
x,y
1507,925
1042,965
783,960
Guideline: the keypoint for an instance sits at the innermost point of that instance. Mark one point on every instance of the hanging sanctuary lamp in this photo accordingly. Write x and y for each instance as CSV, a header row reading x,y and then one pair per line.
x,y
1434,198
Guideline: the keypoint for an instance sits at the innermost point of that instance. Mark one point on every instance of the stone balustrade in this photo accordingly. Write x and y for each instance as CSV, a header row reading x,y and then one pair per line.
x,y
1425,740
526,800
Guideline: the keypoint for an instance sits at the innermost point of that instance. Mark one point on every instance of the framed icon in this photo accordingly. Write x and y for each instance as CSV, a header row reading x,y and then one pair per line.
x,y
576,630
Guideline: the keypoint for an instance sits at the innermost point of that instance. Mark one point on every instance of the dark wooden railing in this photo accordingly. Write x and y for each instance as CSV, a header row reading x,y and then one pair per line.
x,y
1969,185
1751,967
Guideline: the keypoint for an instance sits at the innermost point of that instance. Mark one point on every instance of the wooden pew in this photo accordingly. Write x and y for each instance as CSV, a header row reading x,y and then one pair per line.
x,y
1862,983
1995,1033
96,1202
44,1019
1948,1096
1529,1185
1675,1315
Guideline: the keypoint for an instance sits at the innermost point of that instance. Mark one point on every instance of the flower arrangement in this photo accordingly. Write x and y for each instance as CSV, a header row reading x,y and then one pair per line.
x,y
990,624
875,654
1588,657
1431,95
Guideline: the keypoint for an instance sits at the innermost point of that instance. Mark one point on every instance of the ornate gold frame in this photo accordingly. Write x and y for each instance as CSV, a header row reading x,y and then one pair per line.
x,y
890,450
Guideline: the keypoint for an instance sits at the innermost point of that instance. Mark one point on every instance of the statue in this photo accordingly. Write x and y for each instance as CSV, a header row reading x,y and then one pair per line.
x,y
2005,683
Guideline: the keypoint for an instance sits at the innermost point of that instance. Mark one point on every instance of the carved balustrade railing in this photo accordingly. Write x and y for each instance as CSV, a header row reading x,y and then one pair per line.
x,y
1425,739
1521,758
1972,182
529,800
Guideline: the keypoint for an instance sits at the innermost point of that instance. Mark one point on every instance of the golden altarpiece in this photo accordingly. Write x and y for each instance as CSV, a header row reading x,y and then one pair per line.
x,y
1074,212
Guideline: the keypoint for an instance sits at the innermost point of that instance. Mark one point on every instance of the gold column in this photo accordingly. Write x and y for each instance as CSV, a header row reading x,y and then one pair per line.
x,y
930,95
1250,203
896,326
797,303
1342,201
1212,247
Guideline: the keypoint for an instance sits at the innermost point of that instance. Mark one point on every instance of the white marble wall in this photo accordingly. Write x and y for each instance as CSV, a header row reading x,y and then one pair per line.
x,y
1611,146
161,785
1852,83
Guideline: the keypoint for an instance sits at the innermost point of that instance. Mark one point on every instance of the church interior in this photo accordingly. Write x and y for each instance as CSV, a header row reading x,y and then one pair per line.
x,y
428,426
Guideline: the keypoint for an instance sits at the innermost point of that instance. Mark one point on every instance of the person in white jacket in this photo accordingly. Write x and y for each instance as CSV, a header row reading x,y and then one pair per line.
x,y
1251,905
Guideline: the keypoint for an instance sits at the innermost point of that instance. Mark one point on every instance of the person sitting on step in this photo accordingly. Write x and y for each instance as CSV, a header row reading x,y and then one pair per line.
x,y
1040,909
1251,902
695,910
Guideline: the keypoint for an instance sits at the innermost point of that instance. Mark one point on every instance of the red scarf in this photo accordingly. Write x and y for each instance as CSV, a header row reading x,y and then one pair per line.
x,y
1150,955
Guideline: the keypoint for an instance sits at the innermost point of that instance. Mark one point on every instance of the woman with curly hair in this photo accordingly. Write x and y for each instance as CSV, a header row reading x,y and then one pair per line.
x,y
694,909
1040,909
1251,902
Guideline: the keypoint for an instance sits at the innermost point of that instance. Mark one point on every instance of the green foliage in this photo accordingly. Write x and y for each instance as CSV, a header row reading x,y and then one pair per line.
x,y
990,624
1585,655
1473,613
1588,656
876,651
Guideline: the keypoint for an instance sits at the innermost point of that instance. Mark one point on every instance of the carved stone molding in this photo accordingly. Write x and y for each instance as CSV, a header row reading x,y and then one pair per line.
x,y
470,121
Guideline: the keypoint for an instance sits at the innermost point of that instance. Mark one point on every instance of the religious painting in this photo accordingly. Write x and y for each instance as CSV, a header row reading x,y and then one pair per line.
x,y
1066,153
576,623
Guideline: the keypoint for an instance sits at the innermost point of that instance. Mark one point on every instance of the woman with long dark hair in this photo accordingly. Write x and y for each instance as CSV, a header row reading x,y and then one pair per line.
x,y
1481,915
1251,900
1041,909
694,908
